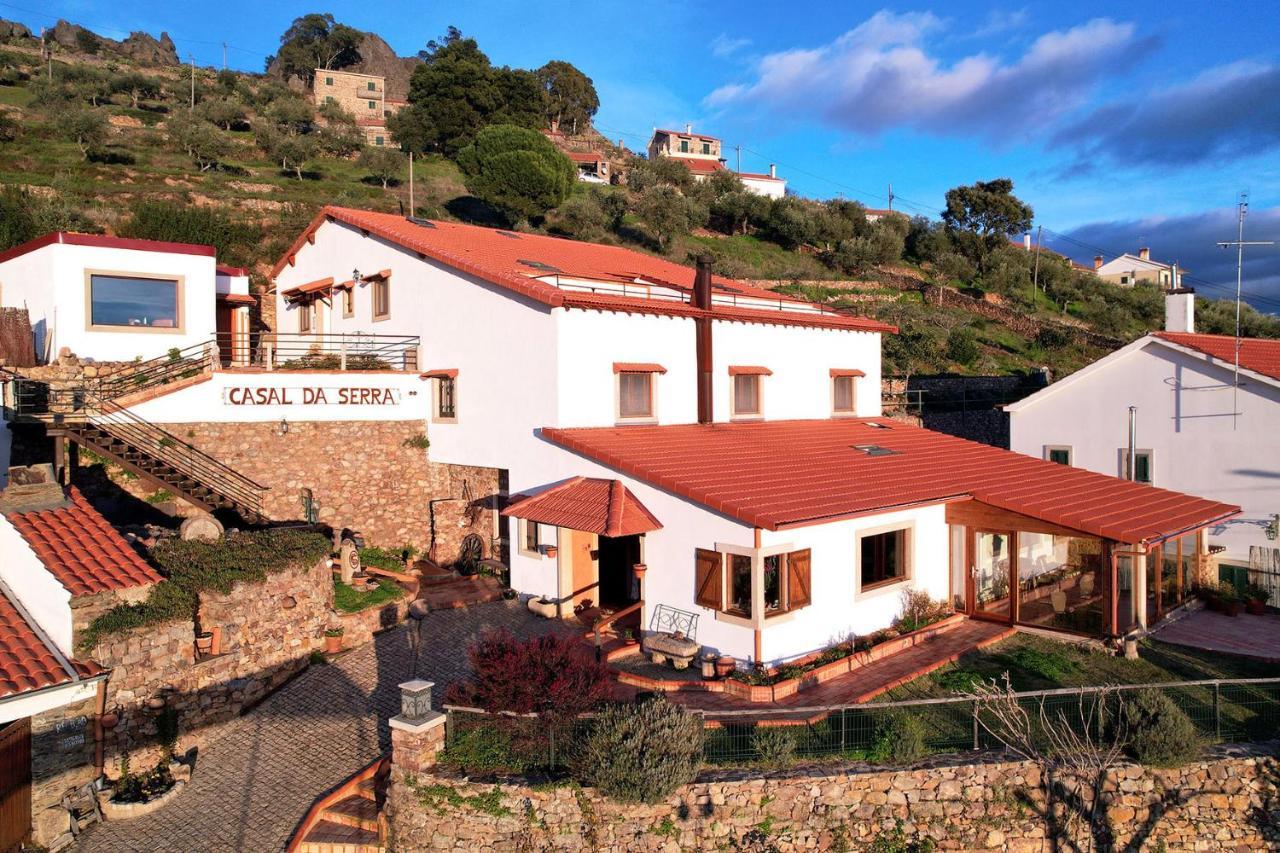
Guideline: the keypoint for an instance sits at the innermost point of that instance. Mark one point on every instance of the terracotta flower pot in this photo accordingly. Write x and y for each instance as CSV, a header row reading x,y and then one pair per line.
x,y
332,644
725,666
204,642
1256,607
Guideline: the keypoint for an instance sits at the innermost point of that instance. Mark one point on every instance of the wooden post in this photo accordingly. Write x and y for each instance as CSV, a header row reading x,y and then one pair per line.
x,y
1140,586
60,458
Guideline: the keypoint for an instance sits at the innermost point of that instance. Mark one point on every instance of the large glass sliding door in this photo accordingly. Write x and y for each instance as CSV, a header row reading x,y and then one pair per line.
x,y
1061,583
991,573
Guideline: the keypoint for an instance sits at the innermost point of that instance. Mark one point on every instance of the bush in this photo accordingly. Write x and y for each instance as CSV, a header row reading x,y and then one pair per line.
x,y
775,746
641,753
1050,665
175,222
517,170
1160,733
961,346
919,610
485,747
549,676
899,740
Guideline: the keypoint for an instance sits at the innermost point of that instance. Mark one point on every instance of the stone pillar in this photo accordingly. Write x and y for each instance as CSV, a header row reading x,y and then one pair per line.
x,y
417,732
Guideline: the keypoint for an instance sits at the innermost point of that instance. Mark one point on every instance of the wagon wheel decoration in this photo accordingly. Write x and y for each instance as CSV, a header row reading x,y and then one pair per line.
x,y
471,553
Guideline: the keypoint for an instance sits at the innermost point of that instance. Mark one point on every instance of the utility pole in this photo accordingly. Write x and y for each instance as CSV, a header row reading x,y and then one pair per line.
x,y
891,196
224,56
1035,279
413,211
738,148
1242,209
192,60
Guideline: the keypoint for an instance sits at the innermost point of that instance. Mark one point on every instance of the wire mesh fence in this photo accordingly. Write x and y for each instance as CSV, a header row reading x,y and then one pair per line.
x,y
1222,711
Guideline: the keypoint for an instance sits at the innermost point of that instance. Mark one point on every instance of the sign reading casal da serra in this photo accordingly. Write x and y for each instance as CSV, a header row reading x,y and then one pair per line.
x,y
312,395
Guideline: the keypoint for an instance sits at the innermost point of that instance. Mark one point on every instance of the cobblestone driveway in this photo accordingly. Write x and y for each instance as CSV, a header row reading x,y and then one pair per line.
x,y
255,781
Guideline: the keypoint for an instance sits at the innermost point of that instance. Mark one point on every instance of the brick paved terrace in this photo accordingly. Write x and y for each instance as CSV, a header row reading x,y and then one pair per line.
x,y
1247,635
255,781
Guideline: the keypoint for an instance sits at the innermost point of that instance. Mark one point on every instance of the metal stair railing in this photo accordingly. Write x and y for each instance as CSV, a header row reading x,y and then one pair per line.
x,y
175,365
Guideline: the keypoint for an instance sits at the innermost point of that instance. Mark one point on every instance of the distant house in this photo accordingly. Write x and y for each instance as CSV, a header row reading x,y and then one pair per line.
x,y
1045,253
702,155
362,95
1127,270
592,166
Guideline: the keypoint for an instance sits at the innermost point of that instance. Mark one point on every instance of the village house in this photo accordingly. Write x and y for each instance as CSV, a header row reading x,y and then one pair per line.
x,y
712,455
1127,270
702,156
1200,427
364,96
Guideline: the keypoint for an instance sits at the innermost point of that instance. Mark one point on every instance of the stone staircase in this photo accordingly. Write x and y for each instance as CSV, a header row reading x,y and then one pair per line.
x,y
349,820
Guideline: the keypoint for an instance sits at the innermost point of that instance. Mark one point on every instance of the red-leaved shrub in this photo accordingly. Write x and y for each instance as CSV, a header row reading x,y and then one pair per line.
x,y
552,676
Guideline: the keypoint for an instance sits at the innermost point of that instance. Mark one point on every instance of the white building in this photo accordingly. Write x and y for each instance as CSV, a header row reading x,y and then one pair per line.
x,y
768,185
1198,430
1127,270
696,443
116,299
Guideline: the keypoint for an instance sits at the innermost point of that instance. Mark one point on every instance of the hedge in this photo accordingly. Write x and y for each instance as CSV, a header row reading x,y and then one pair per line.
x,y
193,567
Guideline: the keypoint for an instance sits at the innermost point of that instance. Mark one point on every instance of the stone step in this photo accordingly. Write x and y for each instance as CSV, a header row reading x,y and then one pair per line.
x,y
353,811
329,837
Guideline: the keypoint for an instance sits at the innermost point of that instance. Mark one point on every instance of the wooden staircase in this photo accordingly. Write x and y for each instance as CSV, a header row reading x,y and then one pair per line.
x,y
348,819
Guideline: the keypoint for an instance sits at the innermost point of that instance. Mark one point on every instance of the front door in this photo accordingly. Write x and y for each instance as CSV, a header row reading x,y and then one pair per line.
x,y
992,561
618,557
15,784
224,319
582,567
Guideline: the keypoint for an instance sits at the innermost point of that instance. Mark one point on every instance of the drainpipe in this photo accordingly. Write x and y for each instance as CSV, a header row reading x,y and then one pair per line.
x,y
702,336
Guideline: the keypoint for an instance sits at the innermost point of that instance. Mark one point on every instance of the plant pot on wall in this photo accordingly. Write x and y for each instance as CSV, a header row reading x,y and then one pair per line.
x,y
204,642
725,666
333,641
550,551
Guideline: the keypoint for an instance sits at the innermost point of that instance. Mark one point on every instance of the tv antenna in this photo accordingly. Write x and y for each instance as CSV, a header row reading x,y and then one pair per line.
x,y
1242,210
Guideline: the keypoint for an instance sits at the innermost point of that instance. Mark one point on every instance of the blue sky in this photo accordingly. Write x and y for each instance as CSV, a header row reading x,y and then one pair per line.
x,y
1122,124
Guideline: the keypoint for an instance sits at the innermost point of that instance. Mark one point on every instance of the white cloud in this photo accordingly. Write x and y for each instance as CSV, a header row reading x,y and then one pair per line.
x,y
725,46
881,74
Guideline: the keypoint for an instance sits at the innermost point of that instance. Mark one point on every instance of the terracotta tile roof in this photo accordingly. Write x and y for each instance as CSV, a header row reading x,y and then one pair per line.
x,y
27,661
689,134
749,370
1261,355
72,238
320,285
226,269
584,156
238,298
760,176
594,505
637,367
698,165
514,262
847,371
81,549
779,474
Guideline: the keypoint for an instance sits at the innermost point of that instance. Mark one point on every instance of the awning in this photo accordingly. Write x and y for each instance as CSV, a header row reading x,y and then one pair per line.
x,y
590,504
749,370
440,373
837,372
380,275
321,285
637,367
238,298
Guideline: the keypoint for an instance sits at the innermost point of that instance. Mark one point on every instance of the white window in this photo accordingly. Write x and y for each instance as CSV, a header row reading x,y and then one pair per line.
x,y
530,538
1143,465
746,395
635,395
1060,453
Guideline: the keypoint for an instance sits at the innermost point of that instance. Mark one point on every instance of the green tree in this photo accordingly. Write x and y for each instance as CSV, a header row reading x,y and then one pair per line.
x,y
202,142
384,164
316,41
570,96
791,223
662,171
737,211
292,116
225,112
665,211
517,170
981,216
24,217
178,222
582,217
137,86
86,128
962,348
291,151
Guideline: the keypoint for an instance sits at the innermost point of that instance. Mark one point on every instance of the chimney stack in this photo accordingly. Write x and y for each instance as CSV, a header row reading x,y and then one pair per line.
x,y
702,338
1180,310
688,128
1026,241
773,170
1145,253
1097,262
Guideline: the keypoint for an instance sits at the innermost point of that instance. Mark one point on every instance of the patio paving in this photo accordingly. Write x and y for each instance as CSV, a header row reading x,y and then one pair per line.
x,y
862,685
254,782
1245,635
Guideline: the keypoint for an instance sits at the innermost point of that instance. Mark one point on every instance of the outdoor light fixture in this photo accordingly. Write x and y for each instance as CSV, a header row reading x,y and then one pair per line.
x,y
283,427
356,278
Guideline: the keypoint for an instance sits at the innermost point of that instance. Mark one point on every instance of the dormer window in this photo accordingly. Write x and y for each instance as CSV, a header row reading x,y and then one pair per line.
x,y
844,387
636,391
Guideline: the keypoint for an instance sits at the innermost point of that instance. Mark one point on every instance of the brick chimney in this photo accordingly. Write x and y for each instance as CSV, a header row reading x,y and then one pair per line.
x,y
1145,253
1180,310
1097,262
702,338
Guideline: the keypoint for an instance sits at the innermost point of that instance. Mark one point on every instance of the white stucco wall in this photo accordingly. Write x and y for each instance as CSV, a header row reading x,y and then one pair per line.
x,y
50,283
765,187
46,600
1184,416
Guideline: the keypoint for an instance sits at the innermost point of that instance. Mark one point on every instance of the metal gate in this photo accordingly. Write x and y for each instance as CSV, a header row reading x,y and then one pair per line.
x,y
15,784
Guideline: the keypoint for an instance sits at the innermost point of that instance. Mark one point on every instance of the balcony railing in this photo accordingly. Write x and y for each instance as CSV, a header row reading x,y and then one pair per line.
x,y
337,351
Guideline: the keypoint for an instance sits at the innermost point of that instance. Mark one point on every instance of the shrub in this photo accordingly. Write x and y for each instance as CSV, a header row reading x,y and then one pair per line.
x,y
775,746
641,753
485,747
548,675
177,222
899,740
1051,665
516,170
961,345
919,610
1160,733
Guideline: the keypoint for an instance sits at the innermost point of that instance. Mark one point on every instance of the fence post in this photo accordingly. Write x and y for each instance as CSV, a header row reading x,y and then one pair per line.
x,y
342,354
552,762
1217,712
976,745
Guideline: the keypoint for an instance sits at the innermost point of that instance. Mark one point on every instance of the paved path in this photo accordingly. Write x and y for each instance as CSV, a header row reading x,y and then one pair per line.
x,y
256,780
1251,636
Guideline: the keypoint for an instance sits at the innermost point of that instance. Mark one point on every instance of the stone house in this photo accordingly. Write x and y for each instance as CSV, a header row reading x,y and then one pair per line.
x,y
364,96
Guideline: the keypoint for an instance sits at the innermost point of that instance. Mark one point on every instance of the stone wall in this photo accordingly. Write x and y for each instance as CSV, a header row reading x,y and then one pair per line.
x,y
359,628
62,757
1229,801
361,475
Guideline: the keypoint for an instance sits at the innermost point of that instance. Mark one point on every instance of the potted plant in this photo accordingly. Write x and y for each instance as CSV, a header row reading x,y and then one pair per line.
x,y
725,666
550,551
204,642
333,641
628,638
1255,599
1230,599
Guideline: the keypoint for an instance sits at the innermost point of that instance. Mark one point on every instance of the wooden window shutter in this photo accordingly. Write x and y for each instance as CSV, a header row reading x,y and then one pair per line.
x,y
708,583
798,594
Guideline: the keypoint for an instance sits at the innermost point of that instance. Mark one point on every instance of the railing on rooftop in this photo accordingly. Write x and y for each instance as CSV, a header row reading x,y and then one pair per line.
x,y
332,351
655,292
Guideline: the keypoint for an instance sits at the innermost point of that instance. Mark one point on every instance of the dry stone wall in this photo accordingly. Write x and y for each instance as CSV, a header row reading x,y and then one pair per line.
x,y
1229,801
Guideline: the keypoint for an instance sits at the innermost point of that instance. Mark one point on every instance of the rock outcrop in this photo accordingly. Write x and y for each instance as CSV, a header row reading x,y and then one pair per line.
x,y
141,48
12,30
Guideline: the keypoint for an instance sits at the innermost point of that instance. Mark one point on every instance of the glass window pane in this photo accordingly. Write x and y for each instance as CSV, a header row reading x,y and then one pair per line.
x,y
635,396
1060,455
882,557
1060,582
1142,467
740,584
448,391
746,395
843,393
116,300
773,583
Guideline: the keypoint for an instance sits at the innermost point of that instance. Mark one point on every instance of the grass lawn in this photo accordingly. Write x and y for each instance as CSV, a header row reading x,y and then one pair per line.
x,y
348,600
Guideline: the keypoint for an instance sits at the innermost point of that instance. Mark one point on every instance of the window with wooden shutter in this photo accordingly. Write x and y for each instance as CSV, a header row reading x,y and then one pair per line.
x,y
798,594
708,589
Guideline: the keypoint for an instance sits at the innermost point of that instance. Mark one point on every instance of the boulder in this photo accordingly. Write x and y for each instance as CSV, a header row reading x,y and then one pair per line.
x,y
12,30
145,49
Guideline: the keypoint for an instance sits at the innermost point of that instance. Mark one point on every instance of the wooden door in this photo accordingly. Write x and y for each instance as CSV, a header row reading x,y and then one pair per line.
x,y
582,567
224,319
15,784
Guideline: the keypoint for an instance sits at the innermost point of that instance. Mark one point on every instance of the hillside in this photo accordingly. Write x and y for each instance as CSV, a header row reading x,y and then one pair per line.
x,y
976,314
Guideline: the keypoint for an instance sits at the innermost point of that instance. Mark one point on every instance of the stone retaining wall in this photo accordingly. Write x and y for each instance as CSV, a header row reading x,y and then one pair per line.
x,y
1229,801
359,628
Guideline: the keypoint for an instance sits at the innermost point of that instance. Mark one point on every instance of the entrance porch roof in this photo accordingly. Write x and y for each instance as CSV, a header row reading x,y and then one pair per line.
x,y
590,504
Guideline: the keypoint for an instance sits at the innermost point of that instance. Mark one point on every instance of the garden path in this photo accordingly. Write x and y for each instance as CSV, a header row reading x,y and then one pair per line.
x,y
254,782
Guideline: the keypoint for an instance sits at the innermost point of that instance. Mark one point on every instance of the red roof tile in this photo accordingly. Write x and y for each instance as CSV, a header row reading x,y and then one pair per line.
x,y
593,505
699,165
72,238
780,474
27,662
689,134
320,285
81,549
760,176
584,156
512,261
1261,355
637,367
749,370
847,371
